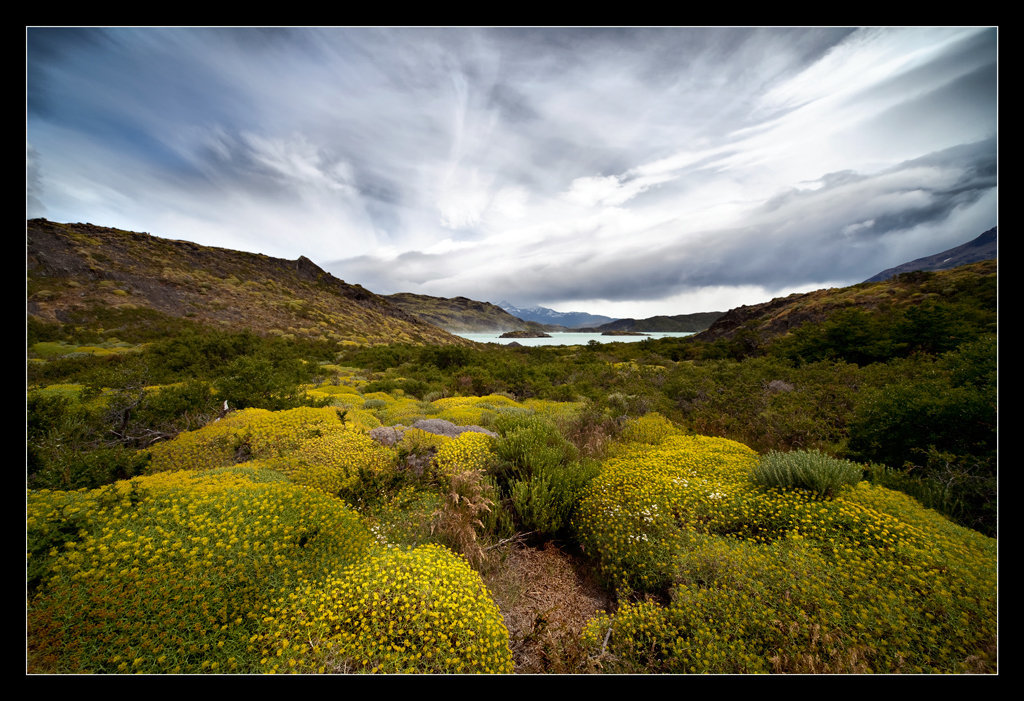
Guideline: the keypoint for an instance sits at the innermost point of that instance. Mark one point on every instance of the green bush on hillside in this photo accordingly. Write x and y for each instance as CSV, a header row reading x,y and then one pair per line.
x,y
806,469
539,473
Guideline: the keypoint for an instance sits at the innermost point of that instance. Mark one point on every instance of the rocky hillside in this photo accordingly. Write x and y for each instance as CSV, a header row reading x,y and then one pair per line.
x,y
460,314
80,273
769,320
984,247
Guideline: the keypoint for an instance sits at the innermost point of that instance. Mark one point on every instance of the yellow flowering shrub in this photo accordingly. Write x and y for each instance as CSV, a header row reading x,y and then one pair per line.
x,y
333,390
492,400
472,411
241,436
416,440
339,395
554,410
650,428
362,419
399,611
636,514
168,573
401,410
333,461
780,580
469,451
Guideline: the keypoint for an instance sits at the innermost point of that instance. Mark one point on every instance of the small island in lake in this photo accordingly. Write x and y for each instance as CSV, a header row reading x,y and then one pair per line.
x,y
623,333
525,334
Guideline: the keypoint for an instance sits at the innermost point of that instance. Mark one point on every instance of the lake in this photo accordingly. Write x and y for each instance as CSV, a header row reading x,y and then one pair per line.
x,y
570,338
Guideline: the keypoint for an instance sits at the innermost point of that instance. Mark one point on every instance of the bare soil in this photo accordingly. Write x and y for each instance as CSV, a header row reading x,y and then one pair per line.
x,y
546,595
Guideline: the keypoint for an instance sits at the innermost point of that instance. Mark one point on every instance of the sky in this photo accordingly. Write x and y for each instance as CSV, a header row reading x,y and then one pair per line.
x,y
628,172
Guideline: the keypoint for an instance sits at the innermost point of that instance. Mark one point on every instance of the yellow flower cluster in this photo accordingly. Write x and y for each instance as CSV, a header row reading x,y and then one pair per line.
x,y
333,461
421,610
650,428
467,411
468,452
415,440
362,419
492,400
778,579
636,512
243,435
340,395
400,410
168,573
552,409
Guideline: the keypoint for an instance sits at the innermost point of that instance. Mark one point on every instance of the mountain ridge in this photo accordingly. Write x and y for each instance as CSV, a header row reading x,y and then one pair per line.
x,y
677,323
984,247
82,271
760,323
461,314
567,320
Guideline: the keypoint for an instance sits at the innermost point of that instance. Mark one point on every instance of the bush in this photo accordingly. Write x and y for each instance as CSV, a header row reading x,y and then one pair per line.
x,y
468,452
466,501
401,611
530,444
651,428
265,383
636,516
752,580
171,573
806,469
539,473
546,501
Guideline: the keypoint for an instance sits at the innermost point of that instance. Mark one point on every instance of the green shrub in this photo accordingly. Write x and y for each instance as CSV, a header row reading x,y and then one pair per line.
x,y
806,469
265,383
530,444
539,473
546,501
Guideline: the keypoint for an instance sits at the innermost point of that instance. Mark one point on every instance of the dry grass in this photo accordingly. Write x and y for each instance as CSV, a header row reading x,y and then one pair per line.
x,y
545,596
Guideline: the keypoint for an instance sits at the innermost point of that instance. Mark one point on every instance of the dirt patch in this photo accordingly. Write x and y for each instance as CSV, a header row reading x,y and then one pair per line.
x,y
546,596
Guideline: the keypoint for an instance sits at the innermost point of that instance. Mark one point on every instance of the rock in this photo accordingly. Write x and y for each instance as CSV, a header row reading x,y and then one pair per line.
x,y
780,386
387,435
442,427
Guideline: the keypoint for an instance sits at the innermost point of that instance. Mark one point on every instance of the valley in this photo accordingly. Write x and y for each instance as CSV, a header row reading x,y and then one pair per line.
x,y
240,464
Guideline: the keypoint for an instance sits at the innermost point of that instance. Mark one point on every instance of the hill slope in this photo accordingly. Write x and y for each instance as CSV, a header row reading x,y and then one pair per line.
x,y
80,273
460,314
982,248
773,319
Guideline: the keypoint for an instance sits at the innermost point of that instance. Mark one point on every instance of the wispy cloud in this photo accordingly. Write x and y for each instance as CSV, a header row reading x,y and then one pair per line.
x,y
643,170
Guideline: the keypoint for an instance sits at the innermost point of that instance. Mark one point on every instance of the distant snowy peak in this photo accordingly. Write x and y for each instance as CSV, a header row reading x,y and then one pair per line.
x,y
543,315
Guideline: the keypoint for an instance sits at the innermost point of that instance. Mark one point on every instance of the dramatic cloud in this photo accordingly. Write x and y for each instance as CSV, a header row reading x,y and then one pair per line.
x,y
628,172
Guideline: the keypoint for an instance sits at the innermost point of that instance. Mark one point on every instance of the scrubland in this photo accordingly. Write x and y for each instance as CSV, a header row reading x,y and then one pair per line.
x,y
289,540
209,500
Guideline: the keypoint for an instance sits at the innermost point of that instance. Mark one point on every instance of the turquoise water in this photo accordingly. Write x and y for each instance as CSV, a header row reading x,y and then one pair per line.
x,y
569,338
